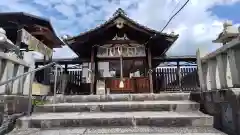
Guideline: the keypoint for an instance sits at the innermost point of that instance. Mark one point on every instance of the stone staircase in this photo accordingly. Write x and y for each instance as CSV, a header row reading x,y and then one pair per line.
x,y
158,114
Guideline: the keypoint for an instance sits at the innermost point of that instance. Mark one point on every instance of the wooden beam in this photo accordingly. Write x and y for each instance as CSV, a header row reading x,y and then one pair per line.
x,y
177,58
117,58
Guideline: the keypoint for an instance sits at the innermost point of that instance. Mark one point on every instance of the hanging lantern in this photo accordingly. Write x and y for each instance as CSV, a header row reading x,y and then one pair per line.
x,y
121,84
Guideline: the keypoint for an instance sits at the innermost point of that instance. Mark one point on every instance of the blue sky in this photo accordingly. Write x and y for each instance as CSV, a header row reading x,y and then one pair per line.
x,y
230,12
198,24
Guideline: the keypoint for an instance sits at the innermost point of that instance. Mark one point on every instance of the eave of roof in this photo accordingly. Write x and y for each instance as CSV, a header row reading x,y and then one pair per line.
x,y
69,41
46,23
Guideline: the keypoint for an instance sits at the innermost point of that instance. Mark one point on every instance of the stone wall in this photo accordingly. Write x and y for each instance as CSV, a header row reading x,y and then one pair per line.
x,y
12,104
224,106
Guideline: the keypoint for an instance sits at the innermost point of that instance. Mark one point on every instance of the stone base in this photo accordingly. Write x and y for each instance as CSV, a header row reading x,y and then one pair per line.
x,y
224,105
14,103
160,119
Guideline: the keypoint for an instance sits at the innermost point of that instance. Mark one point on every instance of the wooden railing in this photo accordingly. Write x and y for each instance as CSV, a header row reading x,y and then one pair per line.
x,y
221,68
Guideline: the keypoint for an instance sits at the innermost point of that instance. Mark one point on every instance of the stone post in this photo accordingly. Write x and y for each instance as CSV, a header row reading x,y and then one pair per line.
x,y
233,67
212,64
222,70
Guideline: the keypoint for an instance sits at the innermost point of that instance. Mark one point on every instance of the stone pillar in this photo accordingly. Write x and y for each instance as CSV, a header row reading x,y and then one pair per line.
x,y
233,67
208,76
212,66
205,76
28,57
200,70
17,84
3,69
7,73
221,71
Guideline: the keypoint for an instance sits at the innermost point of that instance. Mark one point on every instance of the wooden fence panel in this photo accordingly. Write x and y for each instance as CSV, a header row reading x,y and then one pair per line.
x,y
167,79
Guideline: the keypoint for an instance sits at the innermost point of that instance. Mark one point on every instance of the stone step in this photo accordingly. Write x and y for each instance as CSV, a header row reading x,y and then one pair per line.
x,y
123,106
85,119
120,131
120,97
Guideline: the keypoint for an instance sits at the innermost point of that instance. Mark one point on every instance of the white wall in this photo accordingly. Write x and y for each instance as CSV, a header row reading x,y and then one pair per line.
x,y
105,67
101,65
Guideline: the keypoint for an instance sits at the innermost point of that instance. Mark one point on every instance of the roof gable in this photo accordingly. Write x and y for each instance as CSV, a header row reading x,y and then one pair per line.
x,y
119,16
120,24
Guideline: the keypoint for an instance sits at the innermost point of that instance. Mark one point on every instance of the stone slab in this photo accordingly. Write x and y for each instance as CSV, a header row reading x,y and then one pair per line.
x,y
161,119
123,106
119,131
121,97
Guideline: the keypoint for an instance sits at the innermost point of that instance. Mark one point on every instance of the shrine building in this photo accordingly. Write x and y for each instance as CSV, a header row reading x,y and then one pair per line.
x,y
121,54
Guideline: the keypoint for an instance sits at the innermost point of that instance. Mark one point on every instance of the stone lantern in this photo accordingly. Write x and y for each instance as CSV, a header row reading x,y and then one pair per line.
x,y
229,33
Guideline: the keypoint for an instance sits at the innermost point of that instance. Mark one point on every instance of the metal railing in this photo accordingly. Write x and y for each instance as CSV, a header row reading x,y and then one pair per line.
x,y
31,81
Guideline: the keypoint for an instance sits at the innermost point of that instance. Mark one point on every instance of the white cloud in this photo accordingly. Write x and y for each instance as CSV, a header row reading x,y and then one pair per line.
x,y
196,25
66,10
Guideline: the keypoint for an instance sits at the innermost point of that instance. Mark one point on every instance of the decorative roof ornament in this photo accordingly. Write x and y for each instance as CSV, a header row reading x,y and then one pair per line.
x,y
121,38
119,23
120,11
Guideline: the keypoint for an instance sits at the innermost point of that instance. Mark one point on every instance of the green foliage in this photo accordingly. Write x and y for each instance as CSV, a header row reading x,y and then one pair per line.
x,y
36,102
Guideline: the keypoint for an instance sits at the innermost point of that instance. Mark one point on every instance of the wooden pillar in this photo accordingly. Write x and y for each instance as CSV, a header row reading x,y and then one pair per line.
x,y
149,56
95,70
179,75
92,72
45,76
65,68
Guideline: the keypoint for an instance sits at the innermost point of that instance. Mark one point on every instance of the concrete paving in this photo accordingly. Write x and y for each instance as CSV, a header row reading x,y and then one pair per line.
x,y
123,106
119,131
